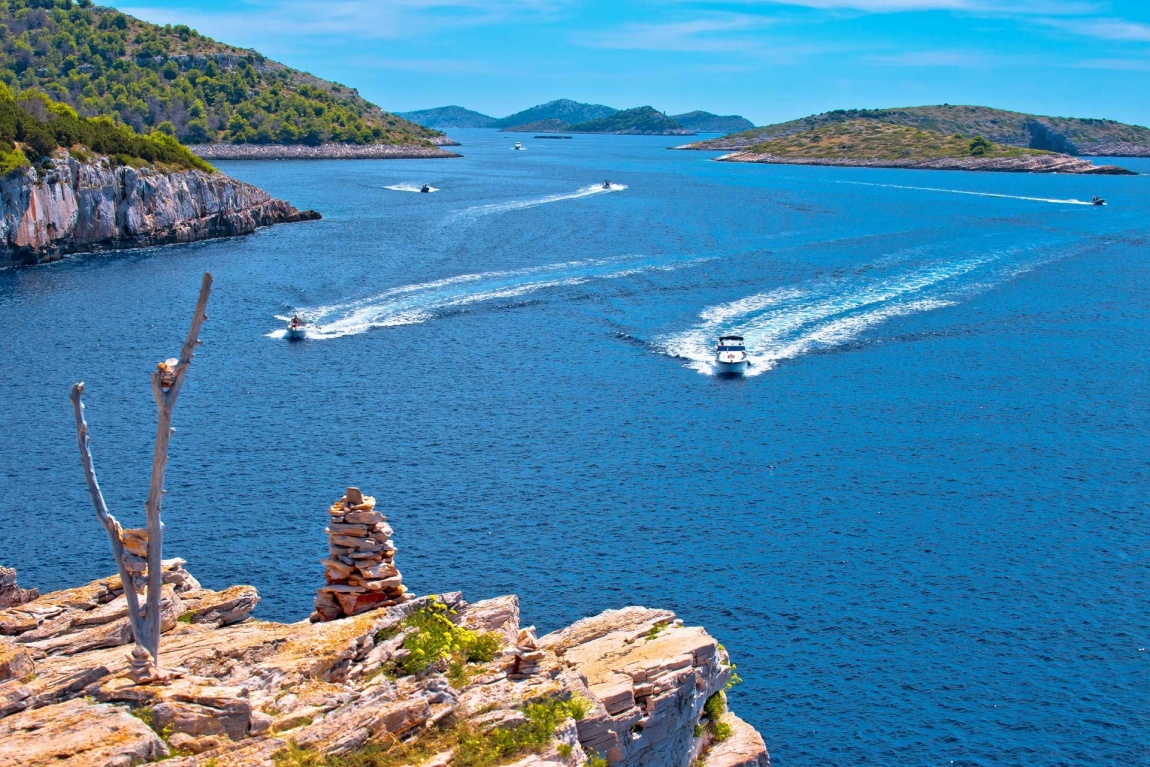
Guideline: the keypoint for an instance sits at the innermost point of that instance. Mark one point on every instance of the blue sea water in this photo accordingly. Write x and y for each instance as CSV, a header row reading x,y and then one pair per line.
x,y
920,527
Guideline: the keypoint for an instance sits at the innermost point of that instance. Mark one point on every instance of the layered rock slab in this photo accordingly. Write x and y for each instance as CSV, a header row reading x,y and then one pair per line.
x,y
77,734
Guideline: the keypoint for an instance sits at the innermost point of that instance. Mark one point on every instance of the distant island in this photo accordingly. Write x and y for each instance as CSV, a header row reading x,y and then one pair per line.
x,y
1067,135
564,110
445,118
174,80
872,144
705,122
565,115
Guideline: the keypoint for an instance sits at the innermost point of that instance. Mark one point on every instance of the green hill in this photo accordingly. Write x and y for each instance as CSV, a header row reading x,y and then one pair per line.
x,y
442,118
565,110
705,122
32,127
640,121
872,140
1069,135
103,62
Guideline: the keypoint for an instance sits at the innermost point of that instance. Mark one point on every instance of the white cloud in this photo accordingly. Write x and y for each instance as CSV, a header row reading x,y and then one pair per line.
x,y
713,33
389,19
1007,7
1105,29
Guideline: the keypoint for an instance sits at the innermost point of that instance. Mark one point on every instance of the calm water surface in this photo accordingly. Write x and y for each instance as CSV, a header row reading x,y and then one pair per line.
x,y
920,527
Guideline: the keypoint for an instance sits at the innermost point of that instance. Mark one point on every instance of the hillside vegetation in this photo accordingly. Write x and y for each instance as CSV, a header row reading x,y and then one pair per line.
x,y
705,122
1075,136
171,78
870,140
565,110
646,121
442,118
32,127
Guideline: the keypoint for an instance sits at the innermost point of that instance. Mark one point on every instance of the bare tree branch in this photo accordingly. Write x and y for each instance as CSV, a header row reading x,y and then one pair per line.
x,y
167,381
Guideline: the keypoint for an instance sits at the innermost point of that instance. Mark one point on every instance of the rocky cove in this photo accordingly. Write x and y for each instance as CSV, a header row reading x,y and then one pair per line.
x,y
86,203
630,687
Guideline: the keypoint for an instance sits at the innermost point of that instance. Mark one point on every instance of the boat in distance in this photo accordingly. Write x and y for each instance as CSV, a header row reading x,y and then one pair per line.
x,y
731,356
518,146
1097,201
296,329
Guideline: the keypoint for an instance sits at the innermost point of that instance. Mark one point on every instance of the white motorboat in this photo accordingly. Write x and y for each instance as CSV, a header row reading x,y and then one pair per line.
x,y
731,356
296,329
517,146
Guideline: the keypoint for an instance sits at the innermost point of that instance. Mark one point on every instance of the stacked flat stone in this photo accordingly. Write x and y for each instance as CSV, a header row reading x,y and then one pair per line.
x,y
360,573
525,656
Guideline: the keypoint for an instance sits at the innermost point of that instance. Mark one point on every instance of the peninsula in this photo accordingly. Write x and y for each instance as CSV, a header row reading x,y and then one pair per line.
x,y
73,184
641,121
203,92
378,677
1067,135
870,144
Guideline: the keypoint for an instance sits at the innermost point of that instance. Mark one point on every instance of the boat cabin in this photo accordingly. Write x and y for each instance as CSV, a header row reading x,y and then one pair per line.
x,y
731,344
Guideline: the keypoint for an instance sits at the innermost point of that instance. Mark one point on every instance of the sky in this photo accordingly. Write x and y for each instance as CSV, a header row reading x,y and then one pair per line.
x,y
768,60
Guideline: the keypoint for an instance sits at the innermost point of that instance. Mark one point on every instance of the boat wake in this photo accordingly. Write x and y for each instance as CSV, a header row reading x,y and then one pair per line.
x,y
410,188
824,314
411,304
504,207
1055,201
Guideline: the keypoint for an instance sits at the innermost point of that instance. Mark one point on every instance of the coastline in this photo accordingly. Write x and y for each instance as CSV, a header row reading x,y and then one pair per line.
x,y
322,152
1028,164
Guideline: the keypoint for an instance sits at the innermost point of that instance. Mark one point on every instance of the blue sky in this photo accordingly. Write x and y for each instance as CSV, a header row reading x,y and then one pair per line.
x,y
768,60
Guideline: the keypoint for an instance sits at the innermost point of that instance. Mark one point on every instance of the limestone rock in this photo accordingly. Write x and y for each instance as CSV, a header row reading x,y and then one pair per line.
x,y
223,608
744,748
15,662
11,595
89,205
77,734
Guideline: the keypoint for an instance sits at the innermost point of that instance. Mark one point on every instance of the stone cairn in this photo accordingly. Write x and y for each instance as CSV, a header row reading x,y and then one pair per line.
x,y
359,570
525,656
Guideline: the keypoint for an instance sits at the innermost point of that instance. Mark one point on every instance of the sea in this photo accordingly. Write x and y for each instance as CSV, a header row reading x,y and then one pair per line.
x,y
919,524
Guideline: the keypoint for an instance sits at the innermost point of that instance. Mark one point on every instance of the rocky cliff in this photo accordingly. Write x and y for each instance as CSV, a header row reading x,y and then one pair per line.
x,y
87,204
629,688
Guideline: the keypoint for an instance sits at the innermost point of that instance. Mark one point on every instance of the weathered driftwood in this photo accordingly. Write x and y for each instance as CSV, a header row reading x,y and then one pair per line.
x,y
167,381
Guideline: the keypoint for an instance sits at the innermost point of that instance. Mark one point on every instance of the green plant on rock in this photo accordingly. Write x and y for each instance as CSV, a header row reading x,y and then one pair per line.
x,y
980,146
436,637
471,747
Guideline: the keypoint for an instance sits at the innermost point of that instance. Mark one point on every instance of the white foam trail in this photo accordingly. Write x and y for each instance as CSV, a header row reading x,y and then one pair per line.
x,y
972,194
410,188
504,207
410,304
788,322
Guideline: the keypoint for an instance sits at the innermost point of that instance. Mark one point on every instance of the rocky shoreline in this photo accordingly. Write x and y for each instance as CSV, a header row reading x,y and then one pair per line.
x,y
88,205
632,687
324,151
1047,163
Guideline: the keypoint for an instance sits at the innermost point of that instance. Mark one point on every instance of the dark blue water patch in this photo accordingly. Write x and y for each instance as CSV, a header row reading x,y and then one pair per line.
x,y
921,532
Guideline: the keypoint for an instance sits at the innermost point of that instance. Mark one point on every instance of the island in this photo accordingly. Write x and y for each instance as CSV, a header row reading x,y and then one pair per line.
x,y
445,118
640,121
1067,135
705,122
207,94
871,144
563,110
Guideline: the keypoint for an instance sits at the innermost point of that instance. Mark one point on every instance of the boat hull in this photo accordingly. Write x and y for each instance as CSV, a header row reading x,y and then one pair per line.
x,y
730,368
296,334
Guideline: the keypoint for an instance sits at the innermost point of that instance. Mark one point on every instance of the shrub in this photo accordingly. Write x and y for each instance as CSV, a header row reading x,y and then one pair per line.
x,y
436,638
980,146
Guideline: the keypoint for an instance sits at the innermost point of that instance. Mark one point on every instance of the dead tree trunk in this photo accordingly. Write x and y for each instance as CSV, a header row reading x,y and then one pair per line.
x,y
167,381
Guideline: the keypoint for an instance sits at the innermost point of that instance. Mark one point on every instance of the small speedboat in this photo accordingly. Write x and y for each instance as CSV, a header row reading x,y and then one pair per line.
x,y
731,356
425,189
1097,201
606,184
296,329
517,145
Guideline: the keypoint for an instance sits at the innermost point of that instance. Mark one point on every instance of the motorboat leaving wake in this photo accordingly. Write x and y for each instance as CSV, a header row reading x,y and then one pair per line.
x,y
424,188
296,329
731,356
505,207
